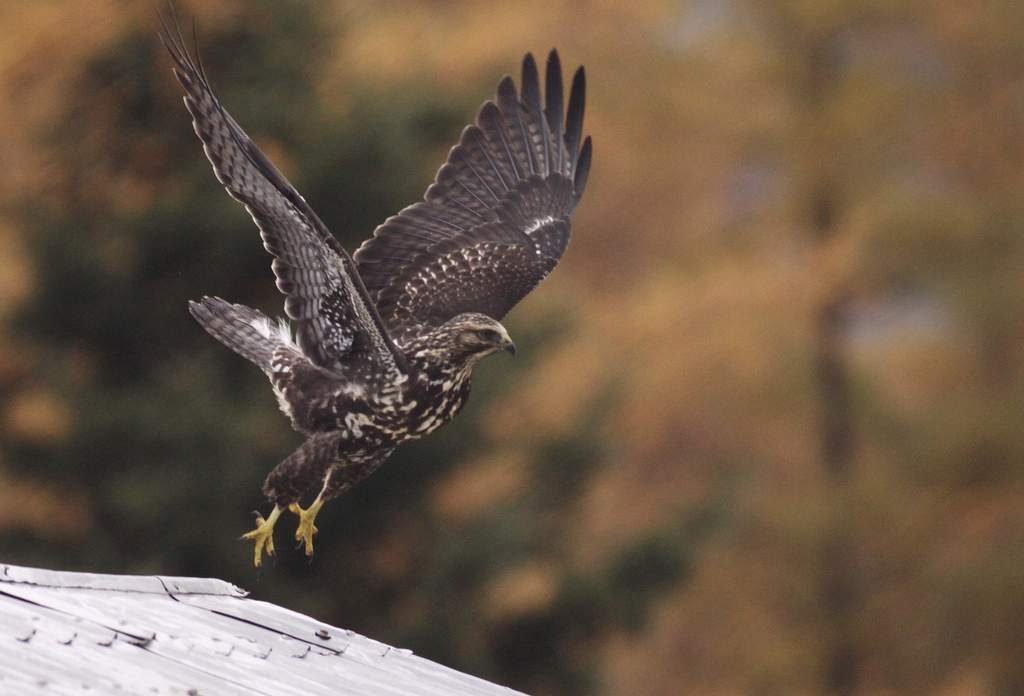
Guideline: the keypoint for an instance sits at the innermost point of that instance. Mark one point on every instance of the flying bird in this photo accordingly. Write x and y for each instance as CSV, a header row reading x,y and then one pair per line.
x,y
378,347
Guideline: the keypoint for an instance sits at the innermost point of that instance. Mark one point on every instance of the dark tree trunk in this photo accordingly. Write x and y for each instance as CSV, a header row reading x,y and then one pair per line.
x,y
839,592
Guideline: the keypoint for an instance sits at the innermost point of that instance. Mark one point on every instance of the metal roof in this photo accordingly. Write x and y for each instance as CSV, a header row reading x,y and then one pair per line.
x,y
69,633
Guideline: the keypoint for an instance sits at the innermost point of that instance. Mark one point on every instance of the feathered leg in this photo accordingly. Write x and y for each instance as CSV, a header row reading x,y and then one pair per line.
x,y
303,470
339,478
318,460
287,482
351,471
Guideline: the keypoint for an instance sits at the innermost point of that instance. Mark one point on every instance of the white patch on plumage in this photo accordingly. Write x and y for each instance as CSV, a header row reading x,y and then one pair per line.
x,y
262,325
355,422
354,390
533,227
282,402
538,223
284,332
281,331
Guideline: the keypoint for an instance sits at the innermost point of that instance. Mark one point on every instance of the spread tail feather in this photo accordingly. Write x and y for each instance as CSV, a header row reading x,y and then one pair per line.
x,y
245,330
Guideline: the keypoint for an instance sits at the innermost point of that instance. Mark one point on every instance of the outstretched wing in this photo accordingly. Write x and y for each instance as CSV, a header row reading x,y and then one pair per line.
x,y
495,221
335,319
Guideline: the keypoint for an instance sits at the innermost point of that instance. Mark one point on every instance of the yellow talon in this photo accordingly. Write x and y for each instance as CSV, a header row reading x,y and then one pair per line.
x,y
306,529
263,535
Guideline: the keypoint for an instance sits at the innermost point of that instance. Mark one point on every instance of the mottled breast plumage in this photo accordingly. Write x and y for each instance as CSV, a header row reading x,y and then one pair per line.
x,y
319,401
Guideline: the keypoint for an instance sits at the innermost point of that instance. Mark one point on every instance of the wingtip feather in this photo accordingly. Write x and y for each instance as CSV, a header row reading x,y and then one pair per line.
x,y
531,81
574,116
579,182
507,86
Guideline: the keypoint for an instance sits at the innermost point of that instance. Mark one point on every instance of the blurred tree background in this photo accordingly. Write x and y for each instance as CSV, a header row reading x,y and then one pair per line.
x,y
766,433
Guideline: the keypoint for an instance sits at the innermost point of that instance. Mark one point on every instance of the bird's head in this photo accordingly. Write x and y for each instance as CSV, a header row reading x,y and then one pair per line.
x,y
472,336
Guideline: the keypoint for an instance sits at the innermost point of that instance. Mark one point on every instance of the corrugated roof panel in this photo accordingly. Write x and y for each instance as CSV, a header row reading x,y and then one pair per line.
x,y
282,620
46,651
68,632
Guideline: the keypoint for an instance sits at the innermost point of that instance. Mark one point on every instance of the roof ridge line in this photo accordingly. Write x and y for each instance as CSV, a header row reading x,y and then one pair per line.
x,y
154,584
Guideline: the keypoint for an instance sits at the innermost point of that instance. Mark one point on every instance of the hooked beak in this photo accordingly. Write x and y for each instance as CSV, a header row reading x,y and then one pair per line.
x,y
509,347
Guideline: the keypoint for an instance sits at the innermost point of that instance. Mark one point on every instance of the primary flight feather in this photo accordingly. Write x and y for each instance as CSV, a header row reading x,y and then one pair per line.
x,y
379,347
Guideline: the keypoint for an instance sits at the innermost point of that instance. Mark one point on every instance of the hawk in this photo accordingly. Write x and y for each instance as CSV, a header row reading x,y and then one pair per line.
x,y
379,346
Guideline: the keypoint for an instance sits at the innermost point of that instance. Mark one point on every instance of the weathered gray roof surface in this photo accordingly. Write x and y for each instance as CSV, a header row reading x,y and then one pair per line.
x,y
69,633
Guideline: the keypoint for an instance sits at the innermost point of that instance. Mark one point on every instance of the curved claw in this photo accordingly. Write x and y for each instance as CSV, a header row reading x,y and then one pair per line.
x,y
306,529
263,535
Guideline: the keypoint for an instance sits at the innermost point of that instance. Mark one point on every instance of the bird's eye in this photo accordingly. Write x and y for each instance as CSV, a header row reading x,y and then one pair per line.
x,y
489,335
